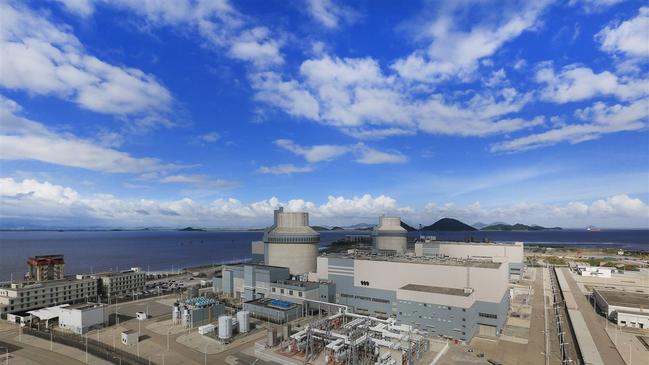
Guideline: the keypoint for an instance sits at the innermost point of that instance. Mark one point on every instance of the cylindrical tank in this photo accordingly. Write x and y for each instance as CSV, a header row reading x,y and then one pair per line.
x,y
243,317
290,242
225,327
388,235
175,314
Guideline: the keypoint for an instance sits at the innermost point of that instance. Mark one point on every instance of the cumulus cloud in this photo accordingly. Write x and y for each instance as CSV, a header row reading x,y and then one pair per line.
x,y
37,201
453,51
628,37
24,139
256,46
601,119
329,13
43,58
576,83
356,96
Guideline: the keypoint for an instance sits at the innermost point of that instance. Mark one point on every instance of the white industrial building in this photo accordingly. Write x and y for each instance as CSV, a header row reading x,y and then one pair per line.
x,y
83,317
511,253
25,296
594,271
455,298
291,243
627,309
130,337
389,236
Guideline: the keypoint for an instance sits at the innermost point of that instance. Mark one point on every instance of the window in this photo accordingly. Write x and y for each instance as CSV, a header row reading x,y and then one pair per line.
x,y
299,294
487,315
272,289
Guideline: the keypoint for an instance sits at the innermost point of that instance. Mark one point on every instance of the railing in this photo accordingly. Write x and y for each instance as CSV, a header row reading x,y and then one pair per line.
x,y
92,346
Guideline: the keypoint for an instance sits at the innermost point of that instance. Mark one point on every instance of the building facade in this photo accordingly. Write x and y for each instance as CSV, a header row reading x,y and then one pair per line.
x,y
249,281
49,267
447,297
512,253
291,243
84,317
294,291
120,283
627,309
24,296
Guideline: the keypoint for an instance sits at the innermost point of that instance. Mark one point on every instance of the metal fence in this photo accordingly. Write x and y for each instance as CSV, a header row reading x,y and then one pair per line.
x,y
91,346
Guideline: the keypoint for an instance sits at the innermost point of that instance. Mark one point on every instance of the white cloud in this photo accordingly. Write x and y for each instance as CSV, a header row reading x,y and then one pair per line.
x,y
209,137
329,13
602,119
357,97
319,153
594,5
203,181
576,83
371,156
24,139
629,37
615,211
34,201
79,7
284,169
314,153
256,46
43,58
455,52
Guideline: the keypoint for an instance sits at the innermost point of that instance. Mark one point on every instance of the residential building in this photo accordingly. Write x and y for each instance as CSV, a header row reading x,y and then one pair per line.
x,y
24,296
48,267
120,283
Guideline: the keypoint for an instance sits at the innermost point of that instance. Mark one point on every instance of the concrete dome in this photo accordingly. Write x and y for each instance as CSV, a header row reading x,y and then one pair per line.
x,y
290,242
389,235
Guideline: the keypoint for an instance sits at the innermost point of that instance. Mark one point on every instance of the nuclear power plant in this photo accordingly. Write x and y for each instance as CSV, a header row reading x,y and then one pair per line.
x,y
291,243
388,235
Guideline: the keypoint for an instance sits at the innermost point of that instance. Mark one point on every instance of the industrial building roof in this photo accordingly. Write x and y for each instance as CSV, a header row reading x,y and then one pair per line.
x,y
470,243
429,260
624,299
276,304
437,290
84,306
307,285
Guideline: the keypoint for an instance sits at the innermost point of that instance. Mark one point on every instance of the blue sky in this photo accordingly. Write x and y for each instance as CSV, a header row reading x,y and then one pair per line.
x,y
213,113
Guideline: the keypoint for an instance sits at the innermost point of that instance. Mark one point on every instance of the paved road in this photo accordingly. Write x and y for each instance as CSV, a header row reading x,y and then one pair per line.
x,y
595,324
32,354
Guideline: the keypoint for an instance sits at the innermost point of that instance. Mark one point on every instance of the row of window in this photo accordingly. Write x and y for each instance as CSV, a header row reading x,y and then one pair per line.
x,y
369,299
282,291
487,315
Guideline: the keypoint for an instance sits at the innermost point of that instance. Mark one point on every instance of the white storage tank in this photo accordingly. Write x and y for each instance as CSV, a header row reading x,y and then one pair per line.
x,y
243,317
225,327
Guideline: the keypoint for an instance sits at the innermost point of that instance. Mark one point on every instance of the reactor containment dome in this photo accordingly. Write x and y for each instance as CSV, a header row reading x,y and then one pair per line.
x,y
290,242
388,235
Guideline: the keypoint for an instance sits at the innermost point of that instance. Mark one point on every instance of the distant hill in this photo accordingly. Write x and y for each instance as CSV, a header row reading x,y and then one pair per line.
x,y
517,227
336,228
360,226
191,229
407,227
448,224
319,228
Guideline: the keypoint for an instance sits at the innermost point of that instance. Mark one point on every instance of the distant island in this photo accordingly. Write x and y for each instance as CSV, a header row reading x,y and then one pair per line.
x,y
448,224
192,229
518,227
407,227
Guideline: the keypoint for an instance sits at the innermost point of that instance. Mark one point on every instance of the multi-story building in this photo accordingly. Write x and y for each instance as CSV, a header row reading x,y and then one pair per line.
x,y
24,296
512,253
120,283
248,281
295,291
49,267
455,298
